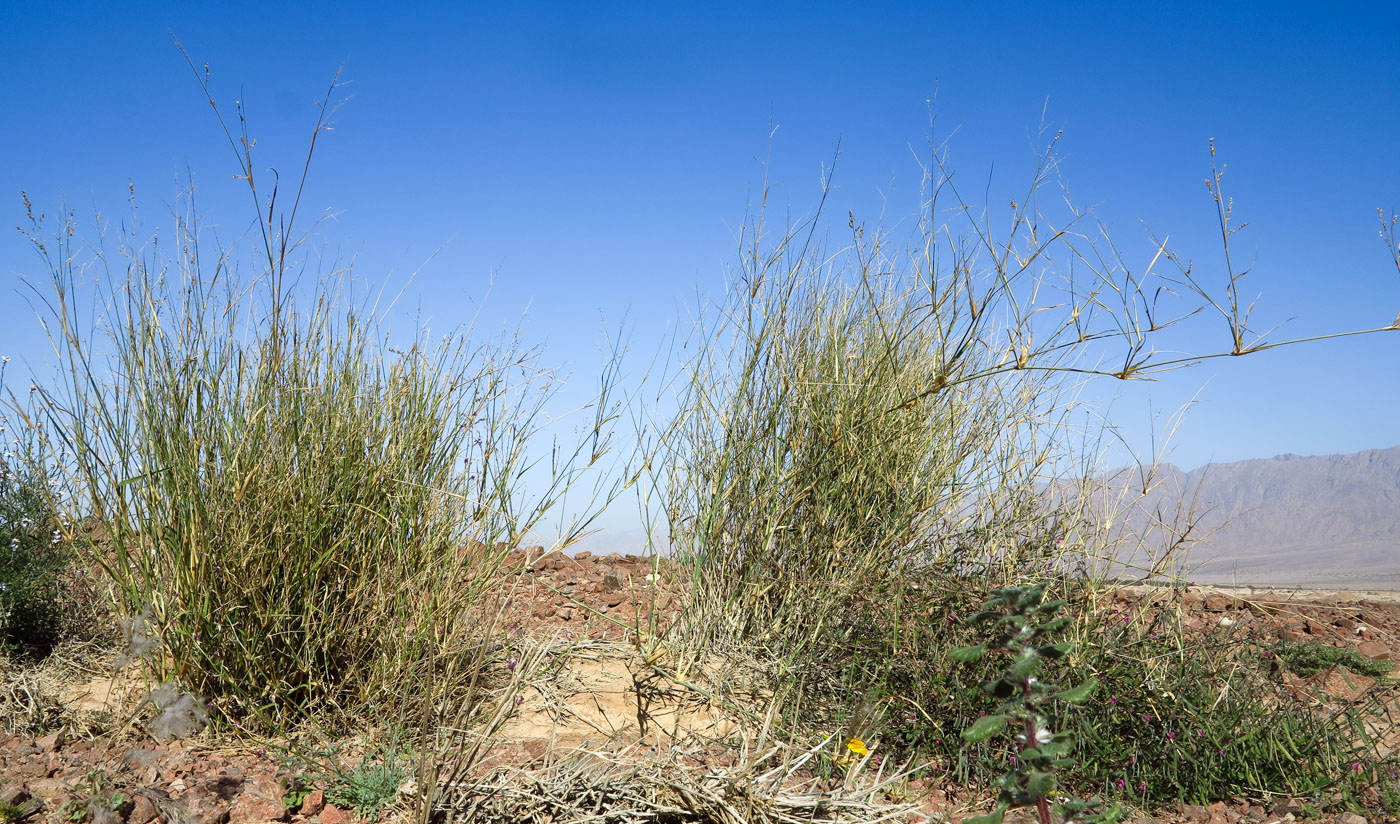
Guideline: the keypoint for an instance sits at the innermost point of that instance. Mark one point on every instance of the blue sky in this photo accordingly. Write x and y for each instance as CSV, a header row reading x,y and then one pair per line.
x,y
595,159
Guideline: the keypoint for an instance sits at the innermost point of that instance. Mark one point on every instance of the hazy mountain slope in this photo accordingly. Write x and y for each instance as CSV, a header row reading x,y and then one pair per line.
x,y
1292,517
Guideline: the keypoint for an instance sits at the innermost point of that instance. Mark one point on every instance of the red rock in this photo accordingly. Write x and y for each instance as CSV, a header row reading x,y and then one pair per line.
x,y
13,794
1218,813
53,742
1215,602
143,810
199,808
260,800
534,748
1376,650
313,803
333,815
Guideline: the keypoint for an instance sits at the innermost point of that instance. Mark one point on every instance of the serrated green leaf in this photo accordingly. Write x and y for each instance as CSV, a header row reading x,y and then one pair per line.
x,y
1023,668
1077,695
1055,625
1040,784
1030,596
968,654
1054,749
1054,651
984,728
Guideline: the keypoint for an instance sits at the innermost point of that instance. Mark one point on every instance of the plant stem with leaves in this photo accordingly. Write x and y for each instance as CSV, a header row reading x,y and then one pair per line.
x,y
1021,621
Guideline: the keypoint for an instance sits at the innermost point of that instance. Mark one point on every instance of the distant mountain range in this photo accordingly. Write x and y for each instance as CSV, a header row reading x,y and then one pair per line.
x,y
1326,520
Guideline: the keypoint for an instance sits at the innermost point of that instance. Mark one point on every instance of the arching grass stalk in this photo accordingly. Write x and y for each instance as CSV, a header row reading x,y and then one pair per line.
x,y
1022,621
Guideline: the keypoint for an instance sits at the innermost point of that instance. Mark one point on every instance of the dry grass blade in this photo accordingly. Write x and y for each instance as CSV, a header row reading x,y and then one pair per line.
x,y
592,788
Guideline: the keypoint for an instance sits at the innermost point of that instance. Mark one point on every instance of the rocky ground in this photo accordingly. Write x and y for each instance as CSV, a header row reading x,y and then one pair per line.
x,y
595,709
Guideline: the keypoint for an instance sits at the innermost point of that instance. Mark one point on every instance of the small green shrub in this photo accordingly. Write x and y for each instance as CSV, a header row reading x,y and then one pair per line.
x,y
1311,657
373,783
96,802
1199,719
33,555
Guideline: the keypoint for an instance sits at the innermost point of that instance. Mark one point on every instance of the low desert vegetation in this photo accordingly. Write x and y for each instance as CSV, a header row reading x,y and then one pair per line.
x,y
299,516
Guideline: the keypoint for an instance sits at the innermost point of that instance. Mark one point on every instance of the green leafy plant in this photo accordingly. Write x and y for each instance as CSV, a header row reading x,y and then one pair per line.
x,y
1311,657
96,801
33,551
372,783
1021,623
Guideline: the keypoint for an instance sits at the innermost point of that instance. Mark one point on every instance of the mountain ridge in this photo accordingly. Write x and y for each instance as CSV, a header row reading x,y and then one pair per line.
x,y
1290,519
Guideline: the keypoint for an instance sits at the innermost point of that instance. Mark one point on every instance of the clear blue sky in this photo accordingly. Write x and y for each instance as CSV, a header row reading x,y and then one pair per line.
x,y
597,157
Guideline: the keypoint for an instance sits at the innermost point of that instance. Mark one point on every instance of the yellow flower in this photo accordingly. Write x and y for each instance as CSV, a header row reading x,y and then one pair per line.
x,y
857,746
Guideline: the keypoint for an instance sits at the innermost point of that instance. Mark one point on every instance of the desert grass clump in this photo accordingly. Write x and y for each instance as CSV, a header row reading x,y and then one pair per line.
x,y
301,510
868,439
863,430
833,434
288,496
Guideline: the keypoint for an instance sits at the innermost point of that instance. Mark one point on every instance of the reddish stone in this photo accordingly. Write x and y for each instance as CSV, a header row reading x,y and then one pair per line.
x,y
534,748
313,803
1215,602
260,800
333,815
143,810
199,808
